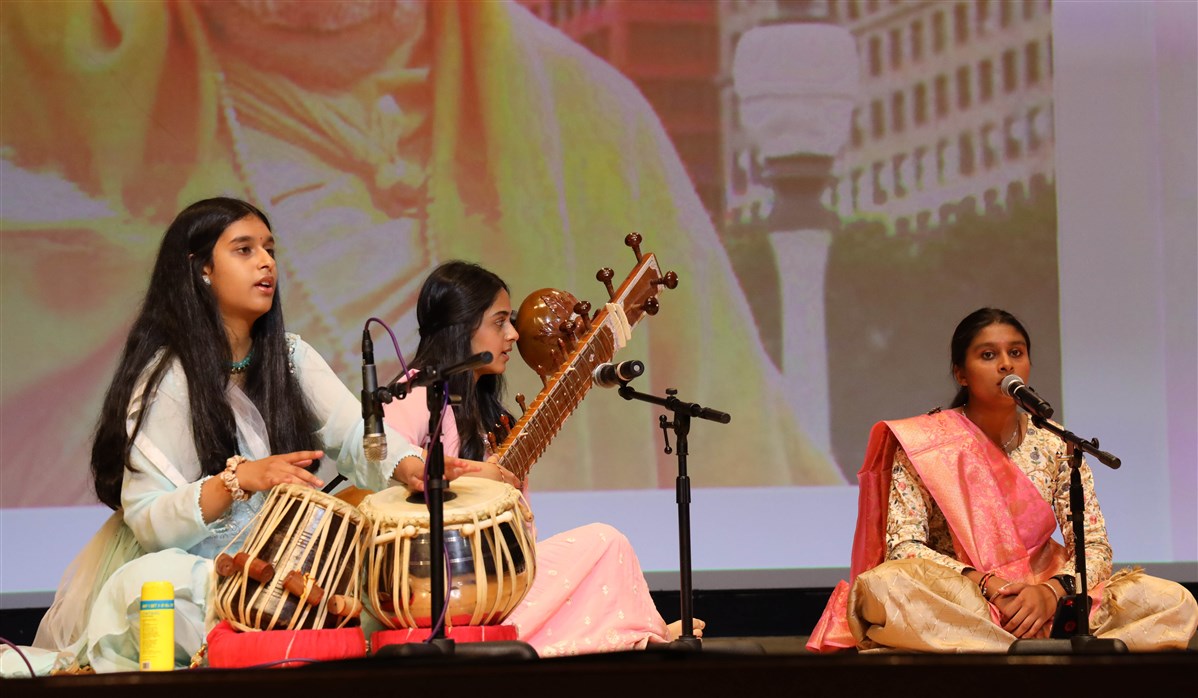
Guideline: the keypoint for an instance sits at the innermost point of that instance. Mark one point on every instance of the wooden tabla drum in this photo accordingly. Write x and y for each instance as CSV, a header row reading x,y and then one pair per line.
x,y
300,566
491,554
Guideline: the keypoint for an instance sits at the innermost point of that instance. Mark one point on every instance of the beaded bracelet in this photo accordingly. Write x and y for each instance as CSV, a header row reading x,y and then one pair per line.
x,y
229,478
983,581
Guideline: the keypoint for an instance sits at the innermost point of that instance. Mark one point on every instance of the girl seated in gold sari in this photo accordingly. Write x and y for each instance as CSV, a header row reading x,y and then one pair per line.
x,y
953,550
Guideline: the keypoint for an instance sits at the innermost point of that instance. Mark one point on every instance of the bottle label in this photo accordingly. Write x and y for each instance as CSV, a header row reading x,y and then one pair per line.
x,y
157,627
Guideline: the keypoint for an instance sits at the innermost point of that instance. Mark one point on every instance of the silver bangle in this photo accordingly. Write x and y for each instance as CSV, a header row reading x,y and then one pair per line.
x,y
999,590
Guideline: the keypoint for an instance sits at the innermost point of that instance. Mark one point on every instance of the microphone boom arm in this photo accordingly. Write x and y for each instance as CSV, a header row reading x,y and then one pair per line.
x,y
399,388
1086,445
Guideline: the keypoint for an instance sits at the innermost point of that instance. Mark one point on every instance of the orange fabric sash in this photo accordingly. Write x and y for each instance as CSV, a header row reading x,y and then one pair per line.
x,y
997,518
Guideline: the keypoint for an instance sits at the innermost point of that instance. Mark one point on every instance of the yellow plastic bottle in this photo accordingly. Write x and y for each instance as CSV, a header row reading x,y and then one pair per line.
x,y
157,646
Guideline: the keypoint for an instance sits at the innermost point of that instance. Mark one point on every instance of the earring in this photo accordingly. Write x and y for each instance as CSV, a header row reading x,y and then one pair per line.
x,y
207,280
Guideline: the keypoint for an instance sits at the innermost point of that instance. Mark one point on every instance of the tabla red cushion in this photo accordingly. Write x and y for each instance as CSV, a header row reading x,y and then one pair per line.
x,y
229,648
457,633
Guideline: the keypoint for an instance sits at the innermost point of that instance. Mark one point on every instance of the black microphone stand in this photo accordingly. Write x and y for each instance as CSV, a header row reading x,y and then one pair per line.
x,y
436,381
683,412
1080,639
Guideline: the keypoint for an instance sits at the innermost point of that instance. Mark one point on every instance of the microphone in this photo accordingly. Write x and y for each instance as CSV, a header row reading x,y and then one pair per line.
x,y
1027,398
611,375
374,440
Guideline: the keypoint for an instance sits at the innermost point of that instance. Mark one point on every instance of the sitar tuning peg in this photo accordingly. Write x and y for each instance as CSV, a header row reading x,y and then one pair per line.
x,y
633,240
670,280
583,310
492,442
651,306
520,401
606,275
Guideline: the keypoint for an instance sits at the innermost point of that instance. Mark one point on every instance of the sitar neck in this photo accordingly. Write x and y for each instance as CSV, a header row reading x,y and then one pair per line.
x,y
566,387
556,402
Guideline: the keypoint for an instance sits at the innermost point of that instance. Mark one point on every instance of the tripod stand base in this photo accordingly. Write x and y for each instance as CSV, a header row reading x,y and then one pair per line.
x,y
497,649
437,647
686,643
1078,644
462,640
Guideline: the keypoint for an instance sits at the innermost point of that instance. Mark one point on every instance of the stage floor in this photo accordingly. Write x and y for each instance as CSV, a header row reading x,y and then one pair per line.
x,y
797,644
753,666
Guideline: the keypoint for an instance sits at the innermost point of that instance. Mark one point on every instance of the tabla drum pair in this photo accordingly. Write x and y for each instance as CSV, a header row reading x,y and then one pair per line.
x,y
301,566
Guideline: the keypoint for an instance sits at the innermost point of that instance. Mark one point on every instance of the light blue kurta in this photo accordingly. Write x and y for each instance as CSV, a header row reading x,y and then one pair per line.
x,y
161,527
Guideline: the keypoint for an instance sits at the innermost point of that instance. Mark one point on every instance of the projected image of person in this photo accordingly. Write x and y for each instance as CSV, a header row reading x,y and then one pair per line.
x,y
207,358
954,551
589,594
385,137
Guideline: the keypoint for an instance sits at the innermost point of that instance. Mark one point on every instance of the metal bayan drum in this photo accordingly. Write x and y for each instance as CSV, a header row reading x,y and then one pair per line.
x,y
490,550
299,568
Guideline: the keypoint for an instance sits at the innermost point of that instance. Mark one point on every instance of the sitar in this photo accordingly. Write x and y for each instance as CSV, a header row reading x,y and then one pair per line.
x,y
564,344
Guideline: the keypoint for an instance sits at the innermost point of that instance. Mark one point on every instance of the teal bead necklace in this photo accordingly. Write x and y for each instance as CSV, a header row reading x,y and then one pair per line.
x,y
240,366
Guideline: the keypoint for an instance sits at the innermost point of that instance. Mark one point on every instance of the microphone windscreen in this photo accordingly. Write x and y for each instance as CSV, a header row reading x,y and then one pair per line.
x,y
1011,383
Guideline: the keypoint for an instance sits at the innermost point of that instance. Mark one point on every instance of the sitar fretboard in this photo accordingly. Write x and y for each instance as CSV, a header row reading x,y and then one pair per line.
x,y
548,412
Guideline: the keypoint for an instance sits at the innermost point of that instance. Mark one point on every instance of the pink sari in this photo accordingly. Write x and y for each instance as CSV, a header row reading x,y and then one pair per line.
x,y
998,520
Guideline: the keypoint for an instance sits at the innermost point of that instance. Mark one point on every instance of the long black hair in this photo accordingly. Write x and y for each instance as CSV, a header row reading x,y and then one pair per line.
x,y
453,301
968,329
180,317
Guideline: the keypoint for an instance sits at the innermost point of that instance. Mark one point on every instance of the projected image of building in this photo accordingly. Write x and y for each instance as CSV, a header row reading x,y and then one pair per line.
x,y
955,107
948,158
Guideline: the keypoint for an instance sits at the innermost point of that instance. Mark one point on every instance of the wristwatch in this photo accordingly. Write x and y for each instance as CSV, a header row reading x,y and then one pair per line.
x,y
1067,583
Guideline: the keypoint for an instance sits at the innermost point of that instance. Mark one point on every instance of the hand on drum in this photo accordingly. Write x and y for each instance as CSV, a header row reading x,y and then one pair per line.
x,y
493,470
410,471
258,475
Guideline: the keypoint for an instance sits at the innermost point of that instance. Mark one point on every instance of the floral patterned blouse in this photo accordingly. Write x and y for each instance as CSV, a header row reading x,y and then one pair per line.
x,y
915,526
